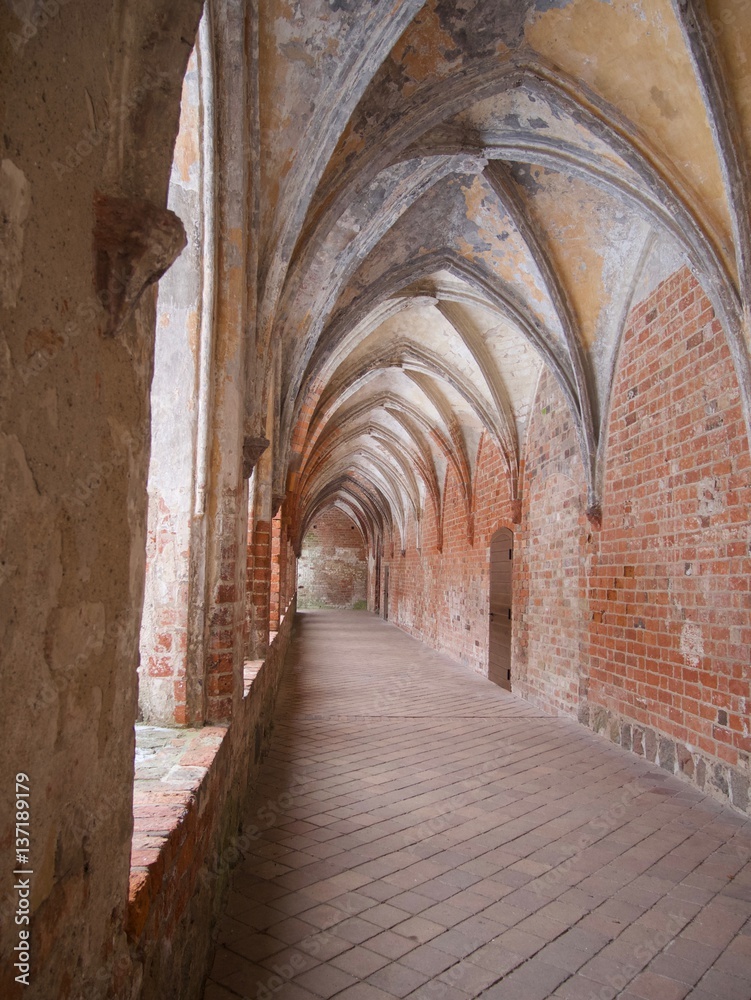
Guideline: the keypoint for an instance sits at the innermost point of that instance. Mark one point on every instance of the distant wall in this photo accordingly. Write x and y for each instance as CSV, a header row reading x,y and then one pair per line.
x,y
332,570
440,595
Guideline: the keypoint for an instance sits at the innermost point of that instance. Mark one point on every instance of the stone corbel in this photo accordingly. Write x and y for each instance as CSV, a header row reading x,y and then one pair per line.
x,y
253,448
134,244
516,511
277,500
594,515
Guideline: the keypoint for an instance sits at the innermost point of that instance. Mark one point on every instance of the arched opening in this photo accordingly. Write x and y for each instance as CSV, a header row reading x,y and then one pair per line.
x,y
171,641
501,603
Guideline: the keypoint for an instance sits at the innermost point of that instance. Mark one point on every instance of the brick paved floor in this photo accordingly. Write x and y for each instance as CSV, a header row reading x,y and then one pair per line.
x,y
422,833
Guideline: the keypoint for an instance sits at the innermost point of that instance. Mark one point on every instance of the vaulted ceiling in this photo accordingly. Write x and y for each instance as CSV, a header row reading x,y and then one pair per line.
x,y
458,193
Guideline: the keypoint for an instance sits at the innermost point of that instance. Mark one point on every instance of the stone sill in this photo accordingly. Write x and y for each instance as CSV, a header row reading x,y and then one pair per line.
x,y
251,669
171,768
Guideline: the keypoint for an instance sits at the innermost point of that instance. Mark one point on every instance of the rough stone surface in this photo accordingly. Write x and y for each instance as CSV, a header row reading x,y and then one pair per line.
x,y
134,243
74,444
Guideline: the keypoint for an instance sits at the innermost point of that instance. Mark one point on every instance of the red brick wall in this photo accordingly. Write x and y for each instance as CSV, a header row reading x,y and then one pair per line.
x,y
332,569
276,573
642,629
671,583
226,621
258,600
442,597
550,606
189,833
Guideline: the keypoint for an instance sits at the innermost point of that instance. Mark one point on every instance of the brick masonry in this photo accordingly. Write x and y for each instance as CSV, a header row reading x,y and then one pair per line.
x,y
441,596
189,794
670,593
641,629
332,569
553,545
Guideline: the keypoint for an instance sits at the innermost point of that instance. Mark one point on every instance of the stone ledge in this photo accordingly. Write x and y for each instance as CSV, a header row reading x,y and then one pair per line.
x,y
179,777
172,766
251,669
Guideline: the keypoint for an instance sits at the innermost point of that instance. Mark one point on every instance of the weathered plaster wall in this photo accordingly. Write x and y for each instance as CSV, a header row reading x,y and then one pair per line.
x,y
74,412
332,569
165,625
220,605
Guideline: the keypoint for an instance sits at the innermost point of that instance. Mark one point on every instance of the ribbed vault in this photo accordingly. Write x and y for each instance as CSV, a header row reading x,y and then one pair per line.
x,y
486,200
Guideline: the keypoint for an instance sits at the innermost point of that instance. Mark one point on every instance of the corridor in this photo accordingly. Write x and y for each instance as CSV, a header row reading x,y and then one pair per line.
x,y
418,832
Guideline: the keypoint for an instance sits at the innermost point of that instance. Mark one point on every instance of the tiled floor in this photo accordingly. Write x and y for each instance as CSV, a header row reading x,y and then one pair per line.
x,y
422,833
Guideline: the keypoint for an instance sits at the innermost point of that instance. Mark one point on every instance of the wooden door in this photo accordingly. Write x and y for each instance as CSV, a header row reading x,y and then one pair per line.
x,y
501,577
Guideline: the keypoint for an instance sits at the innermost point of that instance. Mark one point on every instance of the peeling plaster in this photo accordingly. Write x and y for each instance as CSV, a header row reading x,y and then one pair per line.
x,y
692,643
628,53
15,201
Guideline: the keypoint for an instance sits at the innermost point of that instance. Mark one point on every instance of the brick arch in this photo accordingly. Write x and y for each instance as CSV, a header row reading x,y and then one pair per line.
x,y
492,502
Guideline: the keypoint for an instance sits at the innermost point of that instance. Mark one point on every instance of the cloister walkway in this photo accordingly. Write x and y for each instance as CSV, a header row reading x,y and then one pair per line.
x,y
419,832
